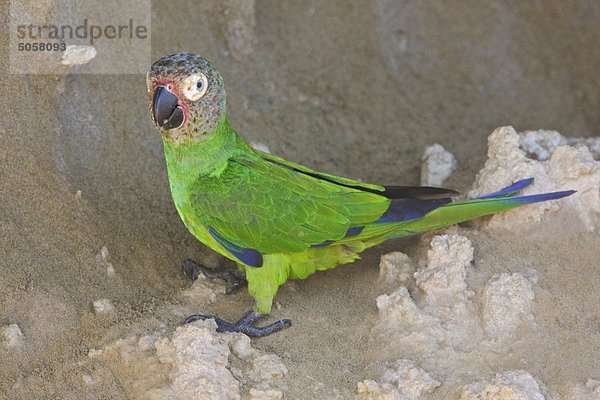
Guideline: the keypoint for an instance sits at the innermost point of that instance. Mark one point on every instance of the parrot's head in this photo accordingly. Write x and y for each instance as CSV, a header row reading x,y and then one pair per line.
x,y
187,97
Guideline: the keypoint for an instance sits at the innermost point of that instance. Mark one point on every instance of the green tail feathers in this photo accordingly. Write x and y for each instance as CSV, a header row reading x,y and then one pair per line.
x,y
460,211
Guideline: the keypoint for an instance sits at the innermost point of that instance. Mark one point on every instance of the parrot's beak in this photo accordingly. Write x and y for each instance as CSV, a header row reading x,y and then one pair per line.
x,y
165,108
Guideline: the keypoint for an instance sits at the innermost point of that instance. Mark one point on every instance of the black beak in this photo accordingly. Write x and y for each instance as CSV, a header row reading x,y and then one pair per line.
x,y
166,110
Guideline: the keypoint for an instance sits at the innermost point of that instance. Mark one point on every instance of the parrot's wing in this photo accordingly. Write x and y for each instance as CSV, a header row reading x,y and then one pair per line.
x,y
321,175
257,206
391,192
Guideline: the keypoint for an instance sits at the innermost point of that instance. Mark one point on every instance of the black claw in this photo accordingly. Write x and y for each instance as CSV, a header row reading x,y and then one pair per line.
x,y
244,325
191,269
234,278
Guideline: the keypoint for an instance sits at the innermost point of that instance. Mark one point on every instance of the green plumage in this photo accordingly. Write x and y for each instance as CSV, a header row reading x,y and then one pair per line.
x,y
276,219
261,205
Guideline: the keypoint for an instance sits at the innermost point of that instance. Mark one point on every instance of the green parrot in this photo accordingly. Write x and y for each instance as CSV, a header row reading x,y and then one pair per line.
x,y
276,219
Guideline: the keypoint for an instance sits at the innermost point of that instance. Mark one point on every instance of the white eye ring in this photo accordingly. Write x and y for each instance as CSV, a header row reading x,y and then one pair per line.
x,y
195,86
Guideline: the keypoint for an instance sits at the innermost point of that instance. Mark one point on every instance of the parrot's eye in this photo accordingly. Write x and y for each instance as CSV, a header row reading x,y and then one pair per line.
x,y
195,86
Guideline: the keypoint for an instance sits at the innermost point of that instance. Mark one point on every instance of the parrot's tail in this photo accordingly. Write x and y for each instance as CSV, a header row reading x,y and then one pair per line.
x,y
460,211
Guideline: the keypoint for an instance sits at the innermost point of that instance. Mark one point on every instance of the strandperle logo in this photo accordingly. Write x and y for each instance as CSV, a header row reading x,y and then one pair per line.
x,y
82,31
87,36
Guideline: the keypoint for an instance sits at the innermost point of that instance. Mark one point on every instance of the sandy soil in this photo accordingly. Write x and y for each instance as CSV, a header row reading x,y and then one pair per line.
x,y
351,88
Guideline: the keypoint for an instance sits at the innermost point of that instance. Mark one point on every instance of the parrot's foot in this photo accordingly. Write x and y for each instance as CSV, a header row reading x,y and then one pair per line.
x,y
244,325
234,278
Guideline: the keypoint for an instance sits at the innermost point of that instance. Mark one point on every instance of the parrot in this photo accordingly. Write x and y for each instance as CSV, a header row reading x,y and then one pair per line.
x,y
275,219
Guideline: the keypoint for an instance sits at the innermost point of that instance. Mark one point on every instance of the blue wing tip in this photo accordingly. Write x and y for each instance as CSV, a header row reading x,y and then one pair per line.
x,y
513,188
528,180
534,198
524,182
